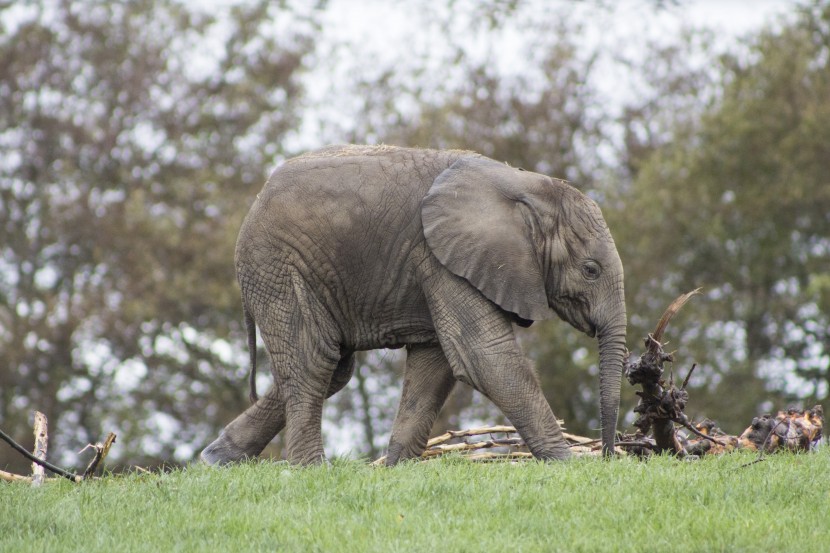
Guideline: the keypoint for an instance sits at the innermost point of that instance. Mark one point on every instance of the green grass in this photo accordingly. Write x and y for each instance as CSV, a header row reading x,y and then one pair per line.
x,y
447,505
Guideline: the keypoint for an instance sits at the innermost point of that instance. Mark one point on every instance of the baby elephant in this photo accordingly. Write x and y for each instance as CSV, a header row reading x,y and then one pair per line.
x,y
355,248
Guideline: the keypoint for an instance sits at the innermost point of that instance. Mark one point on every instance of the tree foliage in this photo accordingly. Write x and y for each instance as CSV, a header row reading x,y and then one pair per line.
x,y
738,201
129,160
135,135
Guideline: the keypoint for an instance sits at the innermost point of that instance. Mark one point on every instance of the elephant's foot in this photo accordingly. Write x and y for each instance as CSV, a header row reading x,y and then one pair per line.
x,y
222,451
397,453
307,456
558,454
557,451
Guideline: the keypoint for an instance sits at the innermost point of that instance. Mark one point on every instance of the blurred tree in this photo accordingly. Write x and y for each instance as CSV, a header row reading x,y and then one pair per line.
x,y
134,136
737,200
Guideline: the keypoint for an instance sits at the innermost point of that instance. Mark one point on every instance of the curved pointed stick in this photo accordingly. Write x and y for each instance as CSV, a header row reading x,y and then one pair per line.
x,y
670,312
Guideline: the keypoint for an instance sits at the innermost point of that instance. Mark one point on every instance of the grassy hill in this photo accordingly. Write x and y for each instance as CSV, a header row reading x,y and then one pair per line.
x,y
715,504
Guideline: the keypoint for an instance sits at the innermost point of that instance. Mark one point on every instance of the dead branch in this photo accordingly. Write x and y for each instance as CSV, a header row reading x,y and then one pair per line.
x,y
489,456
684,422
581,440
474,449
440,449
101,451
38,458
451,434
660,406
635,443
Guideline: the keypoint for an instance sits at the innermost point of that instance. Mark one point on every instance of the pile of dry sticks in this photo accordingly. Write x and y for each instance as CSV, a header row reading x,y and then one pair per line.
x,y
662,426
790,430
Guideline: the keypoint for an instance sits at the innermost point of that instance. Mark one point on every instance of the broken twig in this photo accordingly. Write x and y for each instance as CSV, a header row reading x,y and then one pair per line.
x,y
101,450
38,457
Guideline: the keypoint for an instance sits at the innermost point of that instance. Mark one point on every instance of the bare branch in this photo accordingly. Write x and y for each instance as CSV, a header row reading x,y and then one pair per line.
x,y
11,477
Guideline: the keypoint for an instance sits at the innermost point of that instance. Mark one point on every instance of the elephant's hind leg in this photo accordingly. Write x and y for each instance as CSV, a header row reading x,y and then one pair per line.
x,y
303,343
428,380
248,434
306,382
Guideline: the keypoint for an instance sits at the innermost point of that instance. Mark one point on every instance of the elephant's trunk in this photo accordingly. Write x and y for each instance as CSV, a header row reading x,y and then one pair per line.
x,y
611,338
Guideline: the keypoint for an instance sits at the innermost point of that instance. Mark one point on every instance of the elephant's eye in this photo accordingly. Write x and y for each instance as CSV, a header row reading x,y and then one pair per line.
x,y
591,270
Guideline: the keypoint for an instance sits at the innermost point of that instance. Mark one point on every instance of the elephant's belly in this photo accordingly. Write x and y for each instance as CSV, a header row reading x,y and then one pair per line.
x,y
385,306
392,330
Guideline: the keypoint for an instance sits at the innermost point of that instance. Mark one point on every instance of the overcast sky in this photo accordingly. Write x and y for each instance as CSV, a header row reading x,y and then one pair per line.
x,y
374,34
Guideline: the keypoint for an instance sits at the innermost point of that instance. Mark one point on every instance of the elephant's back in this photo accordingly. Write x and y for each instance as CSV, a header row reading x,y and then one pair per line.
x,y
349,190
348,219
395,154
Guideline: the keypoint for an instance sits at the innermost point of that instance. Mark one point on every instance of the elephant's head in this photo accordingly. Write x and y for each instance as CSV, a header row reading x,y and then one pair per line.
x,y
534,246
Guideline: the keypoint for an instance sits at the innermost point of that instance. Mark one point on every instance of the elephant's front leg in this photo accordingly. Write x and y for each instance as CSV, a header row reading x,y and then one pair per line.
x,y
248,434
428,380
478,339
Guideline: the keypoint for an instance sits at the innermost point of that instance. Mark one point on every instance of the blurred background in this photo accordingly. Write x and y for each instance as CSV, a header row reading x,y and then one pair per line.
x,y
135,135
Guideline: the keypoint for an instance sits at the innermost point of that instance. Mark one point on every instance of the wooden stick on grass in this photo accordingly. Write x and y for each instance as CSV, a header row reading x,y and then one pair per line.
x,y
12,477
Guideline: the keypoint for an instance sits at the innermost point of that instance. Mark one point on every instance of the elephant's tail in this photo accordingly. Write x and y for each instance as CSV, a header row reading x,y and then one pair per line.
x,y
250,327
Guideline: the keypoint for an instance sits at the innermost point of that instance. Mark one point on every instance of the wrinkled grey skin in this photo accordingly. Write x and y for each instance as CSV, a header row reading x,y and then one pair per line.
x,y
355,248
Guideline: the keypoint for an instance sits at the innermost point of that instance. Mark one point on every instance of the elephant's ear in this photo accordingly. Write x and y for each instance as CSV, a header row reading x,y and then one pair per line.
x,y
479,224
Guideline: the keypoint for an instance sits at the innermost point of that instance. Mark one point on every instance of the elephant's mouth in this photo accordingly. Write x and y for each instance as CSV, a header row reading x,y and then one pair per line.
x,y
591,331
572,310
